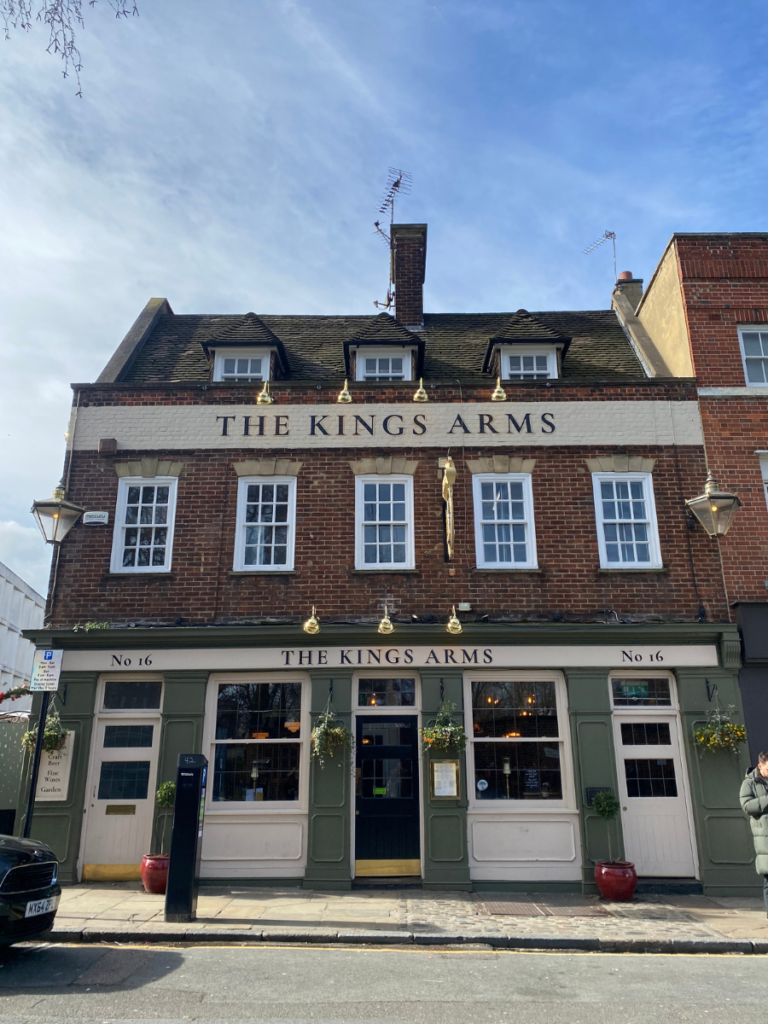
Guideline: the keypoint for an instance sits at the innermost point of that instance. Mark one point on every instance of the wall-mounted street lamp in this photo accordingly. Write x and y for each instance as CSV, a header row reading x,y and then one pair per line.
x,y
56,516
714,509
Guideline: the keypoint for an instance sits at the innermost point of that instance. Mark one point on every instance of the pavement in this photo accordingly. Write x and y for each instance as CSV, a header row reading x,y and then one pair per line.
x,y
123,912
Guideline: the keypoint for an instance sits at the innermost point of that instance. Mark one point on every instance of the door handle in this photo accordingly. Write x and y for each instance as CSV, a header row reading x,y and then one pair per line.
x,y
623,808
357,812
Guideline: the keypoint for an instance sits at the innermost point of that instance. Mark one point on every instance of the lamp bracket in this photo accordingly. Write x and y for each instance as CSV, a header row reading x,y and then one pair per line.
x,y
711,691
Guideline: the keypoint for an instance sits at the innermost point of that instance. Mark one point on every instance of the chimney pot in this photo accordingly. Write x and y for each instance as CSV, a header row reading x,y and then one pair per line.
x,y
625,275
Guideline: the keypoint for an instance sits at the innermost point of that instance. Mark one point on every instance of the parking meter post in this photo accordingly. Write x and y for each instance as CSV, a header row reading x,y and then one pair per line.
x,y
36,765
186,838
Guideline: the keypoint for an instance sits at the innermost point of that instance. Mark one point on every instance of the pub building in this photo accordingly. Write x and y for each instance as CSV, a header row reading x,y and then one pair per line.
x,y
378,514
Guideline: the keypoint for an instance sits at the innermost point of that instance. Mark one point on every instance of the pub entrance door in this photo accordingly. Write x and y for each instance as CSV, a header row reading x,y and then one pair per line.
x,y
387,796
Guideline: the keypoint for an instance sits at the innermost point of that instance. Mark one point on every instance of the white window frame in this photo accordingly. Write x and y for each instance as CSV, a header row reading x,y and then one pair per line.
x,y
257,808
562,740
374,352
265,354
171,482
410,556
653,525
242,500
525,479
751,329
550,351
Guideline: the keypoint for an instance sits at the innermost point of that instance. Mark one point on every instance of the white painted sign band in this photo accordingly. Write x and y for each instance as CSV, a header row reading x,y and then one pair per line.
x,y
353,657
476,424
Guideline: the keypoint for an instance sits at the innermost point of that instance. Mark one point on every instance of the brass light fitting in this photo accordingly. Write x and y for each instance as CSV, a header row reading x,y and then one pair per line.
x,y
344,396
454,626
420,395
57,516
385,626
264,397
312,625
499,394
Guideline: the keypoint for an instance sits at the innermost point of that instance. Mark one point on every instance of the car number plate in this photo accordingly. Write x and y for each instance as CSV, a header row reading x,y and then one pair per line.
x,y
37,907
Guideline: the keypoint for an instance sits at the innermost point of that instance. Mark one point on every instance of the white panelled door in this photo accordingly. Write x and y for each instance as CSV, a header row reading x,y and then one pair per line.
x,y
121,797
652,790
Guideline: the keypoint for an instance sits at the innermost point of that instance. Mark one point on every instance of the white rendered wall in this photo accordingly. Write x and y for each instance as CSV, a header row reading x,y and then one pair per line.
x,y
21,607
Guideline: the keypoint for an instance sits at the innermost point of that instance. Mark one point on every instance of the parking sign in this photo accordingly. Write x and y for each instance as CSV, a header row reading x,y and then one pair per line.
x,y
46,669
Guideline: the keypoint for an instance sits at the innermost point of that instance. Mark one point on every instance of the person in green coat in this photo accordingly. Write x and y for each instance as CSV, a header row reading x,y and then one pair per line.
x,y
754,802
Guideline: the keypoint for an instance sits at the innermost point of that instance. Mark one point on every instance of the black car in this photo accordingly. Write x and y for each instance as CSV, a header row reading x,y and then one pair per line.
x,y
29,889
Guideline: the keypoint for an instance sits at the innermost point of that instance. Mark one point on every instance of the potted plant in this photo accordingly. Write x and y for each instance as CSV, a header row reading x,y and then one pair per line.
x,y
154,866
616,879
329,735
720,732
444,734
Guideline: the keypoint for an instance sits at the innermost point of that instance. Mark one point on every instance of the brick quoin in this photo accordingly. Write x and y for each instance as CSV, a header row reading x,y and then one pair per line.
x,y
724,282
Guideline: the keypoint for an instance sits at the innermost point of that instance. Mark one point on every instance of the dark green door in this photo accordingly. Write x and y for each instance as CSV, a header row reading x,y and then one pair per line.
x,y
387,800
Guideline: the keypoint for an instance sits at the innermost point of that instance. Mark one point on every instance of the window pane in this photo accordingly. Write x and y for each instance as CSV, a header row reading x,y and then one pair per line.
x,y
385,544
645,734
387,692
517,771
128,735
514,709
651,778
258,711
256,772
126,696
641,692
387,778
265,545
150,510
124,780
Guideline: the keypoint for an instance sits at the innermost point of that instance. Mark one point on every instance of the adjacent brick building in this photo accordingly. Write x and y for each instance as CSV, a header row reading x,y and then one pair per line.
x,y
706,313
253,468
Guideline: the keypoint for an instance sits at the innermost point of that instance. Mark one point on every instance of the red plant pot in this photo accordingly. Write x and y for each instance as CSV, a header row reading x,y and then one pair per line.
x,y
616,880
154,872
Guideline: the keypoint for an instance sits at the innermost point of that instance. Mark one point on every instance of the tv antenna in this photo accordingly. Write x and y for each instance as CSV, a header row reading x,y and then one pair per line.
x,y
606,235
399,183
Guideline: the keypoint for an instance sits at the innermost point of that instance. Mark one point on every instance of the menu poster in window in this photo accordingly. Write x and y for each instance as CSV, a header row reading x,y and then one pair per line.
x,y
444,780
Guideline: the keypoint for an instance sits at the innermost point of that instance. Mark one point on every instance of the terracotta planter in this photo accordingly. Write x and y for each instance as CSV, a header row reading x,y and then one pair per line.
x,y
154,872
616,880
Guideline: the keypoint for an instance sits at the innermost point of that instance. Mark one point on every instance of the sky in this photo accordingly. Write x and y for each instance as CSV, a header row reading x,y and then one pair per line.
x,y
232,156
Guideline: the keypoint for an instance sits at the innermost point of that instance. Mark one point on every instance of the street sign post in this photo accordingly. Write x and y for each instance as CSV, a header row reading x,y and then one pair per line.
x,y
46,670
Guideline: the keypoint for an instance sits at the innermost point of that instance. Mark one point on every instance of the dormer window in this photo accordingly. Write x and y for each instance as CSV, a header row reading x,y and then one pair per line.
x,y
529,363
241,365
383,364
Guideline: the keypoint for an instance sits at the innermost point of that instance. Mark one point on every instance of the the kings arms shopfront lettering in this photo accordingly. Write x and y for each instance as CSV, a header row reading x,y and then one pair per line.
x,y
354,657
394,425
481,424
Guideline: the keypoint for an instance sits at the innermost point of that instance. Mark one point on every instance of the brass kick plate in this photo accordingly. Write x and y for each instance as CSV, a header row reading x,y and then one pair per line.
x,y
380,868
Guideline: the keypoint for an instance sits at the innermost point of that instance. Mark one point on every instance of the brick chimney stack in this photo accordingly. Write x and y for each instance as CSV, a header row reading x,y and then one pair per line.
x,y
409,259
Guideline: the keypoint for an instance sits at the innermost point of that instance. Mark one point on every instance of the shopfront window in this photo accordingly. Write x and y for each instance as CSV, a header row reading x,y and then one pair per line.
x,y
516,743
258,749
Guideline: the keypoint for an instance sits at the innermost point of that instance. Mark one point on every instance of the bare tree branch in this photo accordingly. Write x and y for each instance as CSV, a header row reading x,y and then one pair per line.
x,y
63,18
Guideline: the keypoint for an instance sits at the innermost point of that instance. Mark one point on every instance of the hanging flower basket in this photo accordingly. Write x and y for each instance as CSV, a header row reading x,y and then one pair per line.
x,y
444,734
720,733
54,734
329,736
